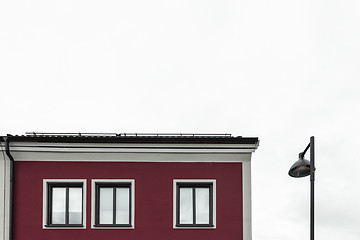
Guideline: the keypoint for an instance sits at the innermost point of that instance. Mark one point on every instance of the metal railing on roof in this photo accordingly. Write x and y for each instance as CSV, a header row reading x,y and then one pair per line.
x,y
79,134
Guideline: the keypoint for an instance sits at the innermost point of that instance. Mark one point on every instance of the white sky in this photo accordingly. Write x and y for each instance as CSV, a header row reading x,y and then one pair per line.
x,y
279,70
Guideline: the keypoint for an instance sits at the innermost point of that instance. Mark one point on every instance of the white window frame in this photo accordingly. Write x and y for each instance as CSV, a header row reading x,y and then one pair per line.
x,y
45,201
93,200
195,181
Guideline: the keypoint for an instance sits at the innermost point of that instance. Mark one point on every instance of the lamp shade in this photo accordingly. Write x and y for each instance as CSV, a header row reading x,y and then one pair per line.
x,y
301,168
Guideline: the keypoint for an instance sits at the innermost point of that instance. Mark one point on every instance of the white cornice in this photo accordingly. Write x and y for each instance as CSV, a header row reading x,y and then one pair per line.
x,y
130,148
105,152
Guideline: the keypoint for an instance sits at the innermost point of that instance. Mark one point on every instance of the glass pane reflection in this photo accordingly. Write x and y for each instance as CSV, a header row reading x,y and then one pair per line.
x,y
186,206
75,205
122,205
58,205
202,205
106,206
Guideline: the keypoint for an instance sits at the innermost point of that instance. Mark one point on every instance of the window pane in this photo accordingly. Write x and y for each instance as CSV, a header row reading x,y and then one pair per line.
x,y
122,205
58,205
75,205
202,205
106,206
186,206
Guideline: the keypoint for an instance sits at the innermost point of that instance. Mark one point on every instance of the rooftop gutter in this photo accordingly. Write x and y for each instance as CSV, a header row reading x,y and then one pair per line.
x,y
11,202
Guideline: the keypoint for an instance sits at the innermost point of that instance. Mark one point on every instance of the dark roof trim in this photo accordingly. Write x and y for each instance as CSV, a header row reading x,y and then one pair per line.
x,y
136,139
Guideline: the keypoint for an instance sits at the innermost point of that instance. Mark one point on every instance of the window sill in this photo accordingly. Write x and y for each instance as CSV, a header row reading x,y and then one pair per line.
x,y
112,226
63,226
191,226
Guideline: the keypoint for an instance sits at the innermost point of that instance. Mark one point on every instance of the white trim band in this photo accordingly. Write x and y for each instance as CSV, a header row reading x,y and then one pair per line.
x,y
45,201
93,191
175,182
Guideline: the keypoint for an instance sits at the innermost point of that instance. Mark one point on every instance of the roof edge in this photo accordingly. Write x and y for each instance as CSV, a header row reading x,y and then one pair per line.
x,y
137,138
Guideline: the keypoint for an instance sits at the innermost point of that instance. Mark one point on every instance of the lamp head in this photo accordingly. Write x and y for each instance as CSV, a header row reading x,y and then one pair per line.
x,y
301,168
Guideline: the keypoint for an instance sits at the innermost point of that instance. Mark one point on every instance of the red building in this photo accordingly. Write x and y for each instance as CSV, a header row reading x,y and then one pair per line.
x,y
125,186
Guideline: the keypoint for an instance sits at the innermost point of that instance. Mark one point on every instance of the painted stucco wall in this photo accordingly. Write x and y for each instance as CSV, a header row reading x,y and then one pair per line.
x,y
153,198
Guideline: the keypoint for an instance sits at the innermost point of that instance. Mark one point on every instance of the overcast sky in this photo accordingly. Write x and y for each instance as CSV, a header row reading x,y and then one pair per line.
x,y
279,70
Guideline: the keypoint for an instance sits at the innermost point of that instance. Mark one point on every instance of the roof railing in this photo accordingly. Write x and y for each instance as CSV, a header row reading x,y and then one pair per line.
x,y
79,134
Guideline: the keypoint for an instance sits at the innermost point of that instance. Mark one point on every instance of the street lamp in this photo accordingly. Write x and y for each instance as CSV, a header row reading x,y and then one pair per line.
x,y
303,168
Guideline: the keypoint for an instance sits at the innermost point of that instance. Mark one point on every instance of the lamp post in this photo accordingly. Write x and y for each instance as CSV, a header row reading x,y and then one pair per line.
x,y
303,168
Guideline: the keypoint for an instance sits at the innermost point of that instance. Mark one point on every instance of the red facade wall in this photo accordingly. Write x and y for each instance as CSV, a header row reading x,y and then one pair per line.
x,y
153,199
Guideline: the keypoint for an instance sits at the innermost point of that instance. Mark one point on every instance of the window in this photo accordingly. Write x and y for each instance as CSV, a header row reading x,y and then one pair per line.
x,y
114,203
194,203
64,203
